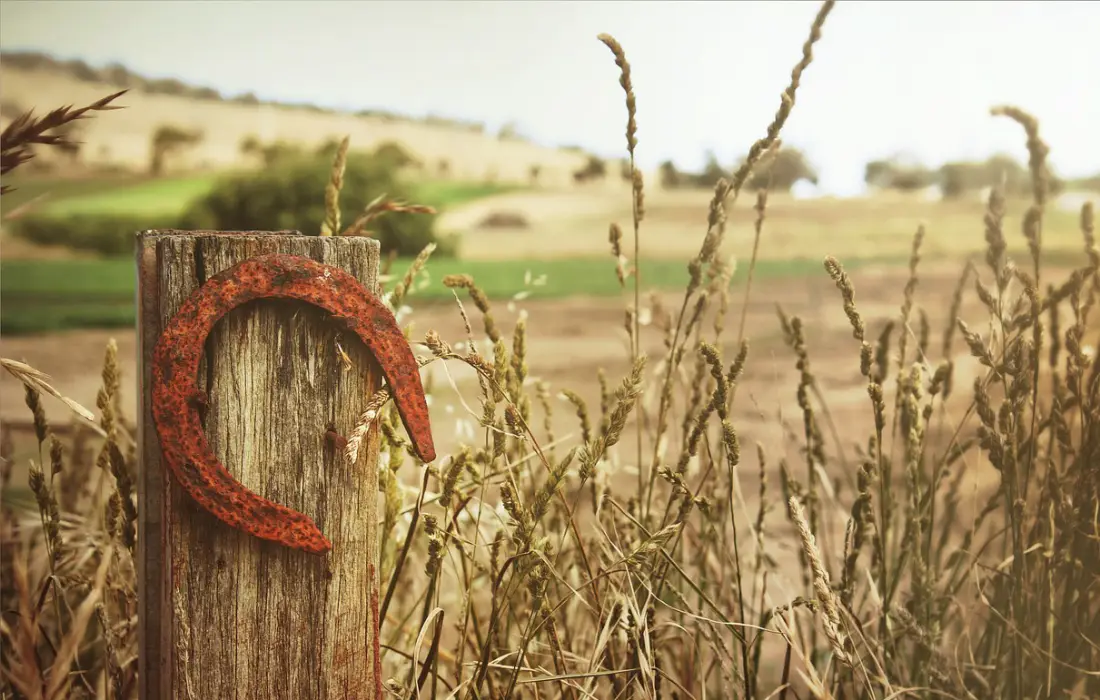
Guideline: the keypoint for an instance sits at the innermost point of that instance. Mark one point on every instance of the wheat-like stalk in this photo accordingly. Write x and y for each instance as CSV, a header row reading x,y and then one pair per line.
x,y
331,224
22,134
39,381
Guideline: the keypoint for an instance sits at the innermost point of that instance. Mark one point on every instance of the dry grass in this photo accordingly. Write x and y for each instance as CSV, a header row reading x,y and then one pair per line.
x,y
637,556
23,133
124,141
562,224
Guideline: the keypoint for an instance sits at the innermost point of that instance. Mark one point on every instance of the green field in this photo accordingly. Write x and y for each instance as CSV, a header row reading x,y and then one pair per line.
x,y
49,295
171,195
442,194
109,195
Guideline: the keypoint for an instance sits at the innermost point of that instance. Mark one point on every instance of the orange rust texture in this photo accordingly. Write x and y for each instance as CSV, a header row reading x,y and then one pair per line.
x,y
177,401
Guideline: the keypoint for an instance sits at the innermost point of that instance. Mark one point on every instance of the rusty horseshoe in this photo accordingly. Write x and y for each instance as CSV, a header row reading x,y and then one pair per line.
x,y
177,398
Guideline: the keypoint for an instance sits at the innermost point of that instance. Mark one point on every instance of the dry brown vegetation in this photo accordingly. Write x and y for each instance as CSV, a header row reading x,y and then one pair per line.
x,y
24,132
568,224
908,508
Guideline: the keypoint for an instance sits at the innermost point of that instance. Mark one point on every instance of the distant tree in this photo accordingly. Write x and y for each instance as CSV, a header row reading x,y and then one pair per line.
x,y
1089,184
290,195
328,147
670,177
509,132
897,173
81,71
594,169
396,155
876,174
29,60
169,139
913,179
117,74
250,146
955,179
712,172
443,168
958,178
274,153
533,174
206,93
1004,170
779,171
167,86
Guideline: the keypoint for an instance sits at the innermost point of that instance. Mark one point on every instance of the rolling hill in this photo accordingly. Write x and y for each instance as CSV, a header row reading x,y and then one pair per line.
x,y
122,139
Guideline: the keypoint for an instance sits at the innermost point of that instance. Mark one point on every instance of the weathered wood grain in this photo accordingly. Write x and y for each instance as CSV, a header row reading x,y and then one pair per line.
x,y
225,615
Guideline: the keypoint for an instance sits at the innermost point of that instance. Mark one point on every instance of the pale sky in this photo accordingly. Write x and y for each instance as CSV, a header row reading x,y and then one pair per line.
x,y
888,77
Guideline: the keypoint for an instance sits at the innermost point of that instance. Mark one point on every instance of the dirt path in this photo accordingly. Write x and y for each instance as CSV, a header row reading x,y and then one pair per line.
x,y
569,340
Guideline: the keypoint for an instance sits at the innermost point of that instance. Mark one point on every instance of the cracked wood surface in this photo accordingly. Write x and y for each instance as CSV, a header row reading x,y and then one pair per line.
x,y
224,614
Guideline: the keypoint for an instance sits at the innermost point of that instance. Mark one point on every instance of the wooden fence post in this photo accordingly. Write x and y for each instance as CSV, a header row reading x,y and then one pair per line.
x,y
222,614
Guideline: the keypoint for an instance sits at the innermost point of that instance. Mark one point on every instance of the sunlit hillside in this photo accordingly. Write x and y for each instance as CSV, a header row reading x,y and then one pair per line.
x,y
457,151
